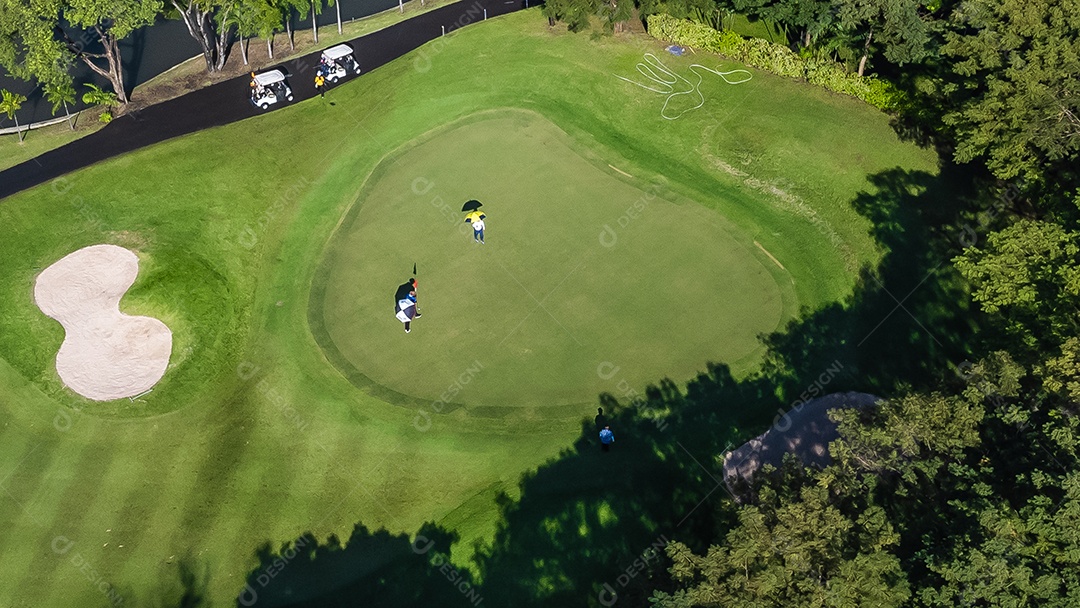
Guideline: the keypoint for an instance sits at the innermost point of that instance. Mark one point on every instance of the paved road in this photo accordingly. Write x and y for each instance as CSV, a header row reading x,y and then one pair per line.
x,y
227,102
151,50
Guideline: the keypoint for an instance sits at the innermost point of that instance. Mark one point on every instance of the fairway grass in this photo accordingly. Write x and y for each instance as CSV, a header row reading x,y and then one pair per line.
x,y
254,436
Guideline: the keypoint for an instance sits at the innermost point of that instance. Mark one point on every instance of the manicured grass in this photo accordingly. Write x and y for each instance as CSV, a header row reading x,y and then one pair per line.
x,y
580,260
39,141
254,436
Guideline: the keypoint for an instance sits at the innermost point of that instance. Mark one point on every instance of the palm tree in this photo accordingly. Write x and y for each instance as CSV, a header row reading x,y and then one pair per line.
x,y
61,93
10,103
316,10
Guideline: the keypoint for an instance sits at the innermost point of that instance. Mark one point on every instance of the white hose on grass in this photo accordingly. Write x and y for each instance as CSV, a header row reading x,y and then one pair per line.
x,y
664,81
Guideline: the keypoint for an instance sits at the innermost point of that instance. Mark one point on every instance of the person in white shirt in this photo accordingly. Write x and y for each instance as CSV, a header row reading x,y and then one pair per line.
x,y
478,230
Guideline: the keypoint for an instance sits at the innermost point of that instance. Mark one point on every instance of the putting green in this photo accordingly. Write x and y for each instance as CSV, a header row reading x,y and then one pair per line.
x,y
588,279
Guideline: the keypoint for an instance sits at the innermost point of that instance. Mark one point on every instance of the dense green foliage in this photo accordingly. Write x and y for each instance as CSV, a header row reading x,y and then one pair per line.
x,y
775,58
34,44
1015,64
977,473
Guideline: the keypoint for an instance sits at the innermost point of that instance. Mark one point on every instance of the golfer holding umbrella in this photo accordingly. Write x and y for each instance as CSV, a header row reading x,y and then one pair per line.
x,y
476,218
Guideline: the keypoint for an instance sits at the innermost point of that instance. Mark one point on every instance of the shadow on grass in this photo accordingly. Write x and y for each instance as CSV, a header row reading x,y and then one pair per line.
x,y
589,527
186,587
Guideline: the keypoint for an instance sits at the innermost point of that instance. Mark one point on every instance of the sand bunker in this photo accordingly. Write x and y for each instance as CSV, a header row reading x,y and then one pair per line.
x,y
106,354
805,431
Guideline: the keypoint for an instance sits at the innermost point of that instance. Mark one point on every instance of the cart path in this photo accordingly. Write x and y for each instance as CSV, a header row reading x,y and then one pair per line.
x,y
228,101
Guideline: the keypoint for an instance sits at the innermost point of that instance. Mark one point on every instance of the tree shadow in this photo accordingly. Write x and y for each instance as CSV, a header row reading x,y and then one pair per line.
x,y
371,569
590,526
908,320
186,587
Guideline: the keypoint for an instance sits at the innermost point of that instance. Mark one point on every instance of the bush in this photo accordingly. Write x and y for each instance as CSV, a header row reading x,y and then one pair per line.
x,y
775,58
99,97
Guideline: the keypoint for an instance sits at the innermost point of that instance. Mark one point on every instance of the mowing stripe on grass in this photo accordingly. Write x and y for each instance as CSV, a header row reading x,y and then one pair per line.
x,y
158,506
59,507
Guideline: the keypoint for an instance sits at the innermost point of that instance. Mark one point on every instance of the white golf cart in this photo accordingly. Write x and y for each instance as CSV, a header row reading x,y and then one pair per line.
x,y
269,88
336,62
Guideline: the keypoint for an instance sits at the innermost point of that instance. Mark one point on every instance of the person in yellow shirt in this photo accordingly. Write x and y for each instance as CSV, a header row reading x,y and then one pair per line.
x,y
477,220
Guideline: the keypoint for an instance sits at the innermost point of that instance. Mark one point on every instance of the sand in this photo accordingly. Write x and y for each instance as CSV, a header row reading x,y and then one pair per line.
x,y
805,431
106,354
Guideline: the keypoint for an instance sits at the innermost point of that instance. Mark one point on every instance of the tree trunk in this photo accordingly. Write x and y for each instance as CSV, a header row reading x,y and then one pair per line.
x,y
314,24
200,27
117,69
221,44
866,52
337,6
243,49
806,38
288,30
270,46
17,129
223,41
67,114
113,73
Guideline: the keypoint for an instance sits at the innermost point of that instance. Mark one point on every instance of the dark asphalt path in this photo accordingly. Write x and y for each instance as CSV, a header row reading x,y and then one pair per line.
x,y
227,102
151,50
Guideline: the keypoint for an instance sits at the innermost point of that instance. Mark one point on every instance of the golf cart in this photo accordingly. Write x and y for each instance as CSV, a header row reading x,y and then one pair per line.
x,y
269,88
336,61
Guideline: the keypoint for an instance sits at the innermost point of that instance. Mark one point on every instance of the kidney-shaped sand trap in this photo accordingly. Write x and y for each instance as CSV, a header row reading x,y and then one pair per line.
x,y
106,354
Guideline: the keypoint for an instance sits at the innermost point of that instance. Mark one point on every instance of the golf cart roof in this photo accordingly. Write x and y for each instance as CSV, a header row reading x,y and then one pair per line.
x,y
337,52
268,78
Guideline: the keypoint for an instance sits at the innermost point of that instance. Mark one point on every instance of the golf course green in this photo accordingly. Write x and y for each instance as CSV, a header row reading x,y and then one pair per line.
x,y
622,248
579,260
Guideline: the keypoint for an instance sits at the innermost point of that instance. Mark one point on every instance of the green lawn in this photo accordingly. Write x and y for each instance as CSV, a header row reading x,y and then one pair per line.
x,y
254,436
39,141
666,289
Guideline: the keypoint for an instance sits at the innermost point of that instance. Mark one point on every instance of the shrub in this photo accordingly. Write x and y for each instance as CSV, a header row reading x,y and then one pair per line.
x,y
99,97
776,59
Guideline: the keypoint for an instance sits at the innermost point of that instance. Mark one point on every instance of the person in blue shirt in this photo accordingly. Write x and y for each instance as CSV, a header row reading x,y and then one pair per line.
x,y
606,438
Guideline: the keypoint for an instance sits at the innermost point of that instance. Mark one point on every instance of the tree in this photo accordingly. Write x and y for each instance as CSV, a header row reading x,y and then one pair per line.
x,y
61,94
110,21
913,436
209,23
256,18
287,8
894,25
1024,557
812,17
10,103
577,13
316,10
337,8
29,49
799,551
1018,95
1029,275
574,13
